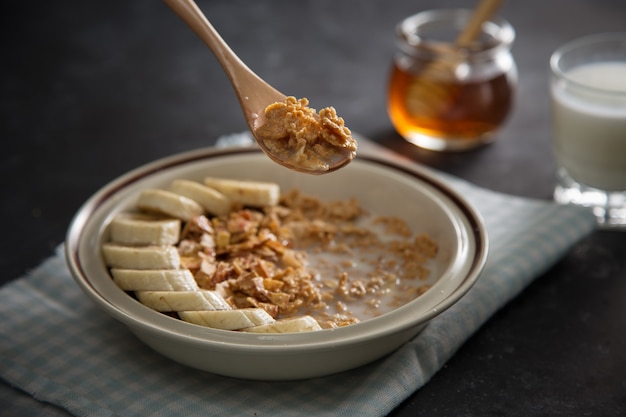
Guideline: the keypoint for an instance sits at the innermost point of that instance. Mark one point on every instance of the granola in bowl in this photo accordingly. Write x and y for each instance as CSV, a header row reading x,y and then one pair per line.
x,y
327,264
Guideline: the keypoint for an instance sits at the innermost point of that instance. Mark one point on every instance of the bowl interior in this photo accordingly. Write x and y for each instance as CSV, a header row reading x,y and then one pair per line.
x,y
382,187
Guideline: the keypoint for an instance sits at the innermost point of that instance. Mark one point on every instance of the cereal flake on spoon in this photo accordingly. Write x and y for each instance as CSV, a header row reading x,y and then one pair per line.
x,y
297,134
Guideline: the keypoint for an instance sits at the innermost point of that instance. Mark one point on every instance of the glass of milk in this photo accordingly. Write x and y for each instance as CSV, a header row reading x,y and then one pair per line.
x,y
588,91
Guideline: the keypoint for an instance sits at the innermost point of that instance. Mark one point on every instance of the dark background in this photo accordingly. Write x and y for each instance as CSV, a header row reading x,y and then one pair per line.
x,y
90,90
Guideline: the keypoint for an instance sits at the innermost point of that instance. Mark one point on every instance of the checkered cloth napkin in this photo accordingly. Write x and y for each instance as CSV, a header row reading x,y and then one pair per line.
x,y
57,347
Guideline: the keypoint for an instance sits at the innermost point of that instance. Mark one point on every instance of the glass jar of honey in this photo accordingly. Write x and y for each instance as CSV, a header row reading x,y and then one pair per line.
x,y
448,97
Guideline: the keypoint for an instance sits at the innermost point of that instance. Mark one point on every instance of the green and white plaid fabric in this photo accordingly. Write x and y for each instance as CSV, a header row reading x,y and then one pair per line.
x,y
57,347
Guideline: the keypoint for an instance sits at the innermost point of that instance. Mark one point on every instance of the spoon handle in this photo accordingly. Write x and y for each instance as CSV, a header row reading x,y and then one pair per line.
x,y
237,71
189,12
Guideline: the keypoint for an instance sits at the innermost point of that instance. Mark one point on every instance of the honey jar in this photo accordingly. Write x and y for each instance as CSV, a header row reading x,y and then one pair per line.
x,y
446,97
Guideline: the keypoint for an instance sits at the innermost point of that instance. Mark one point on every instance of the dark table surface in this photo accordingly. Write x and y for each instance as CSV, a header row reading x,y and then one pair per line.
x,y
92,89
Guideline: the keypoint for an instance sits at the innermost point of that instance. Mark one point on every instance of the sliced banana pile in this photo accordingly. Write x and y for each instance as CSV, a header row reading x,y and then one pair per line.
x,y
143,258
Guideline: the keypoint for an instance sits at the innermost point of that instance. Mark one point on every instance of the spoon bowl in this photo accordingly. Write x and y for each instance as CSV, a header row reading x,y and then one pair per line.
x,y
254,94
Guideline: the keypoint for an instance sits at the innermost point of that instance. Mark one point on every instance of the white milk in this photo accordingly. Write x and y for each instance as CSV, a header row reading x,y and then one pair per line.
x,y
590,128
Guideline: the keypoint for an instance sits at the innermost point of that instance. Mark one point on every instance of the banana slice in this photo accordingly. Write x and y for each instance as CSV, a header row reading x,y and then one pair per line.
x,y
154,280
140,257
169,203
182,300
212,200
228,319
290,325
249,193
141,229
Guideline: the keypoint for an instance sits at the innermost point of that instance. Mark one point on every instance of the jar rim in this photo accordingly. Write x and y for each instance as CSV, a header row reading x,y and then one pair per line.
x,y
497,28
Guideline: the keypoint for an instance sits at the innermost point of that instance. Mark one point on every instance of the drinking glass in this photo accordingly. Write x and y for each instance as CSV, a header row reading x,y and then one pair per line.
x,y
588,91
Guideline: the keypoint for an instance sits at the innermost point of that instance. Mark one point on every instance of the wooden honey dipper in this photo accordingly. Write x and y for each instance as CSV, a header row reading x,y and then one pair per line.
x,y
425,96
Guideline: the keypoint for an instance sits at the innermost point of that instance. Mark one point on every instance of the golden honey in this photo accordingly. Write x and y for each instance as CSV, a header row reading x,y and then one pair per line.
x,y
442,100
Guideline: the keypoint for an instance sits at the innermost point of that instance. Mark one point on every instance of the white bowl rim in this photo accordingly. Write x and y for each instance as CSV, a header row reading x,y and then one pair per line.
x,y
246,342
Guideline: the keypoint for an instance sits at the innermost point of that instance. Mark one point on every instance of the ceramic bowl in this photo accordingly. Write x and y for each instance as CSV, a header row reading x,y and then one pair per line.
x,y
383,185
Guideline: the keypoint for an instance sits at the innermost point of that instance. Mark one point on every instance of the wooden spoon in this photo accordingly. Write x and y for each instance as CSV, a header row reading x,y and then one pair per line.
x,y
253,93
